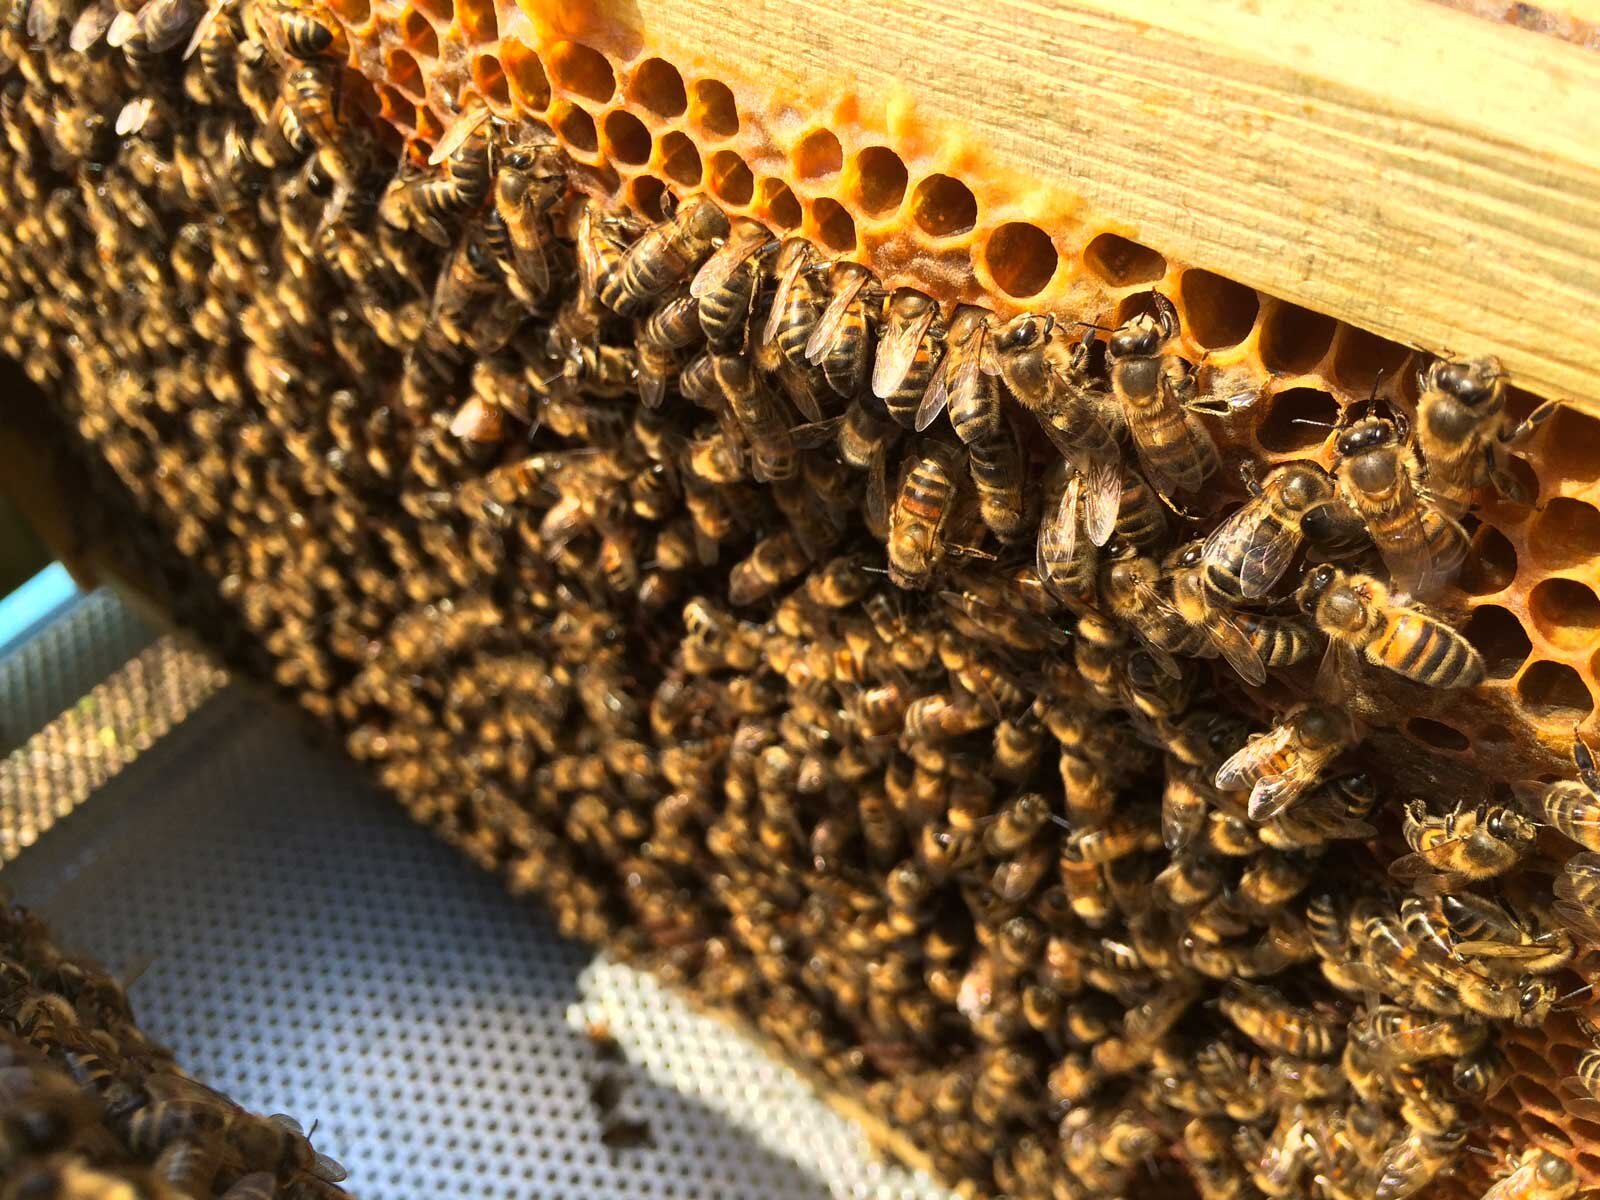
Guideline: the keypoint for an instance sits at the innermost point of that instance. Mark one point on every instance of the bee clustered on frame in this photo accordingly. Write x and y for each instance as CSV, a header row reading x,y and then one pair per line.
x,y
900,679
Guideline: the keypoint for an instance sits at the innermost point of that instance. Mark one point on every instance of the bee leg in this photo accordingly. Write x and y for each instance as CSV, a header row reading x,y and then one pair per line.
x,y
1530,424
1588,770
1507,484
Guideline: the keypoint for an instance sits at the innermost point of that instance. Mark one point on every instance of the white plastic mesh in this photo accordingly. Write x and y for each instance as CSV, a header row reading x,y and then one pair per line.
x,y
311,951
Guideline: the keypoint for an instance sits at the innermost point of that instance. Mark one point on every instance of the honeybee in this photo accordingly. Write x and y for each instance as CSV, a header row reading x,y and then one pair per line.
x,y
1463,846
1027,350
1265,1017
864,434
1185,801
964,380
1482,1073
909,353
726,283
1572,808
425,204
531,179
1129,585
1356,613
1410,1165
759,414
666,255
999,470
797,303
1273,641
1375,468
841,341
669,329
1067,564
306,33
1280,765
1488,931
1398,1036
1336,811
1536,1175
1154,389
1577,892
775,561
1248,553
1581,1090
921,511
1460,430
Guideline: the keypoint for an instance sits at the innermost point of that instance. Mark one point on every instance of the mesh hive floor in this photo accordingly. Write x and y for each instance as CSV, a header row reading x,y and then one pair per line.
x,y
312,951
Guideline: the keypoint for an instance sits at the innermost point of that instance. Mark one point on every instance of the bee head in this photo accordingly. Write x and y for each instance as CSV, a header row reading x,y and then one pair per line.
x,y
1192,555
1472,382
1370,433
1317,581
1535,1000
1026,332
1139,338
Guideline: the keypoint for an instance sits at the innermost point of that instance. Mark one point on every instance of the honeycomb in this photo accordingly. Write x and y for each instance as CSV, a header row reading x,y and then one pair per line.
x,y
875,188
564,570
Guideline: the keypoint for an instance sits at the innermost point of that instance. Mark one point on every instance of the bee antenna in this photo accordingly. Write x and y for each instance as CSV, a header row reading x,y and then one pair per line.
x,y
1308,421
1481,1152
876,570
1372,396
1092,325
1575,993
1061,821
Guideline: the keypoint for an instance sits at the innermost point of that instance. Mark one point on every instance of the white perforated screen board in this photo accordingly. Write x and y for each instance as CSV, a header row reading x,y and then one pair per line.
x,y
311,951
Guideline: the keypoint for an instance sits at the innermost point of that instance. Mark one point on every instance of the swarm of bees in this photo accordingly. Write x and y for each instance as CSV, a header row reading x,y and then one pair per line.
x,y
91,1109
914,683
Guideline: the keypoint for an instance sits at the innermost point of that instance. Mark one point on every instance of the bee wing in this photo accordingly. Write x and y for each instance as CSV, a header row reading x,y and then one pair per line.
x,y
133,115
967,376
1583,758
1061,526
780,296
827,326
936,397
40,20
1583,1102
725,260
896,352
1103,498
1489,949
92,24
1273,794
165,22
460,130
1239,771
1267,557
816,434
1519,1185
1338,671
1235,648
123,26
1424,862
